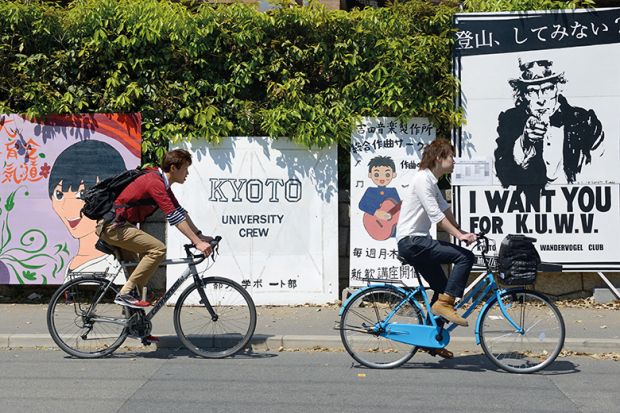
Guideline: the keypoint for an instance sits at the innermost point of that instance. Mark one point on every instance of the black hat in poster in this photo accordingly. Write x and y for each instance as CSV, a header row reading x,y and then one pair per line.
x,y
544,139
536,72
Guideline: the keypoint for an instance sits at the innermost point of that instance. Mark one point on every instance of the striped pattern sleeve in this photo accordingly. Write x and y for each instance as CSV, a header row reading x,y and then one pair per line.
x,y
176,216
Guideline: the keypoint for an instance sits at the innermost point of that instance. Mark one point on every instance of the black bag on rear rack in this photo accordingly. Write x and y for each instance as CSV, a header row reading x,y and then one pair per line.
x,y
518,260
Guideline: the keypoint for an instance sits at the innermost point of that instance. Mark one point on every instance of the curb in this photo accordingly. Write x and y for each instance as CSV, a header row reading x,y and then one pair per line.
x,y
261,342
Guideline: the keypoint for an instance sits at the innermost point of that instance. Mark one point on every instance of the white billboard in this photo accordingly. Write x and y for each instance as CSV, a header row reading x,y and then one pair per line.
x,y
541,95
385,153
275,204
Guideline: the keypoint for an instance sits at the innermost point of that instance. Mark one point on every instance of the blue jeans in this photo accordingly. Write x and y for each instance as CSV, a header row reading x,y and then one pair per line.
x,y
427,255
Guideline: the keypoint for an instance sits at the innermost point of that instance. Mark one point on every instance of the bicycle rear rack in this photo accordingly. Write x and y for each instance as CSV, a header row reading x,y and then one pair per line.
x,y
369,281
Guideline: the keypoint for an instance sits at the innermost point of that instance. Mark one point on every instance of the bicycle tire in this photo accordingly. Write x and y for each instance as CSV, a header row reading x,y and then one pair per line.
x,y
541,341
362,313
81,330
224,337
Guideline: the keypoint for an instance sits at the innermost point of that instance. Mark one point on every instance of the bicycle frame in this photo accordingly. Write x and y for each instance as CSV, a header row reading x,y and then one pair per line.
x,y
432,334
425,335
189,271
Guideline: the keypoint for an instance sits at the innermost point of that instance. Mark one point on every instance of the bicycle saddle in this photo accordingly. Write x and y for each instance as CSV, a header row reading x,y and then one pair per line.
x,y
104,247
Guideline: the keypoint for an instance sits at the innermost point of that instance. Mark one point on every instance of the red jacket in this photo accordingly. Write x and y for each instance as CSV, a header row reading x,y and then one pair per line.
x,y
152,185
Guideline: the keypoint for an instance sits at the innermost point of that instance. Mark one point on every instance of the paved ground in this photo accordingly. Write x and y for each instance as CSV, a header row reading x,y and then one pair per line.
x,y
171,380
588,329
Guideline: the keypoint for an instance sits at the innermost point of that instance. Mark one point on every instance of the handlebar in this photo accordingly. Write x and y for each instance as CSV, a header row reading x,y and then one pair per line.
x,y
201,257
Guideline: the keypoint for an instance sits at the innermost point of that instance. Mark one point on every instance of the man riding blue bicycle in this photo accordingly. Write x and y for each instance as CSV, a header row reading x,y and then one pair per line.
x,y
424,205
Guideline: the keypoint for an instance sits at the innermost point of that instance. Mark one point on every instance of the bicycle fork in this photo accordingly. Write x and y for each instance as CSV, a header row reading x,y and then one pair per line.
x,y
203,298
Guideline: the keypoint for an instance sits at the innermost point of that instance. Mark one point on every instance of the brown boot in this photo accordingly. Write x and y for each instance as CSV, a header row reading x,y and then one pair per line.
x,y
441,352
444,307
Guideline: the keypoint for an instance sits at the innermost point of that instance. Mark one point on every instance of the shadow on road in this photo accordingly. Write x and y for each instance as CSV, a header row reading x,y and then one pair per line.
x,y
480,363
184,353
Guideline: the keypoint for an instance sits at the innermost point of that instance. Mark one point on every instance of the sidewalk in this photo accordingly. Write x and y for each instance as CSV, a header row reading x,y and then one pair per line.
x,y
305,328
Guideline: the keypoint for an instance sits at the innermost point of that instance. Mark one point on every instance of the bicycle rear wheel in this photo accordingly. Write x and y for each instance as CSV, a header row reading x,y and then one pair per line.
x,y
83,319
363,342
225,334
540,342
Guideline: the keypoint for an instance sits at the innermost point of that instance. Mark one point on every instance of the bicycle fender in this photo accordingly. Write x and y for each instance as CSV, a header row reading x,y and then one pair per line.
x,y
361,290
488,304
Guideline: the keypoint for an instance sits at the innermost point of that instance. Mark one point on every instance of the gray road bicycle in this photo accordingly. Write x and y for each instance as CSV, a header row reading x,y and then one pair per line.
x,y
214,317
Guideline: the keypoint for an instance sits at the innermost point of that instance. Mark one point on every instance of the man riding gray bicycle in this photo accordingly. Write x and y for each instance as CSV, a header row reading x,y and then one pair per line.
x,y
134,204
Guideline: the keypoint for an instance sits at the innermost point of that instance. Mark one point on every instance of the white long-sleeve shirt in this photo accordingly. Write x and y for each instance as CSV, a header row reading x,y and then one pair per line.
x,y
422,205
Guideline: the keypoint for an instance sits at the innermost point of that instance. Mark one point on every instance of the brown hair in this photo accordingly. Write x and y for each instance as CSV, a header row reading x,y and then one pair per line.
x,y
176,157
439,148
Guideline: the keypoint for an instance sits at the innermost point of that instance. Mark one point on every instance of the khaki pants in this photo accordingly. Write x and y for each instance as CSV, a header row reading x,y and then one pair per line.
x,y
134,242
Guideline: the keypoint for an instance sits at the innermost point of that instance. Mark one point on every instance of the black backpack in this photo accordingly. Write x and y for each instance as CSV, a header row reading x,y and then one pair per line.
x,y
518,260
99,199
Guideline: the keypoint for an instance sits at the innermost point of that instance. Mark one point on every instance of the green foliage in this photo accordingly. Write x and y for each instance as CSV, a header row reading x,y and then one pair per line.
x,y
208,71
517,5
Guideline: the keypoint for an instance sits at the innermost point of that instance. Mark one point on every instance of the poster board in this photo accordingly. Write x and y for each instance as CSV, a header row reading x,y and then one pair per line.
x,y
275,204
541,95
46,164
385,153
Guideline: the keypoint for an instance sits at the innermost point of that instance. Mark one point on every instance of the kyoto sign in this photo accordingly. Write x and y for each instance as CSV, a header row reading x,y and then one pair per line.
x,y
275,205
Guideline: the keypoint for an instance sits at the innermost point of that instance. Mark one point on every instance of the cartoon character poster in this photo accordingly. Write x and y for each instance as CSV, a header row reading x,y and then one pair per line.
x,y
385,153
541,95
46,166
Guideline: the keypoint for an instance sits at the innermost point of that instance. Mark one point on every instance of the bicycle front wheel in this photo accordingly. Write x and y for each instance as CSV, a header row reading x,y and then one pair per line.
x,y
539,342
360,337
221,334
83,319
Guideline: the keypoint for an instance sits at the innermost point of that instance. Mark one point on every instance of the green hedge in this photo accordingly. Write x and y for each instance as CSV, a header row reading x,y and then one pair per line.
x,y
214,71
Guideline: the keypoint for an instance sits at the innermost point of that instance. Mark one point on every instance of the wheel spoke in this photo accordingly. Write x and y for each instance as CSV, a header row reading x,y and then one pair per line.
x,y
235,324
78,326
542,338
365,345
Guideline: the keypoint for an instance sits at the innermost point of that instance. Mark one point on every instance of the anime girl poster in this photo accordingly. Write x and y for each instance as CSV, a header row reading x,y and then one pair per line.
x,y
47,164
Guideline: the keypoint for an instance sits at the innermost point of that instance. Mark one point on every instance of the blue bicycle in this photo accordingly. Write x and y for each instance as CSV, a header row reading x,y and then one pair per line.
x,y
521,331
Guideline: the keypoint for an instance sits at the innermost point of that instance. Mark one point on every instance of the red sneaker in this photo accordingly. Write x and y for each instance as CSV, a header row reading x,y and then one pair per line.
x,y
148,340
130,301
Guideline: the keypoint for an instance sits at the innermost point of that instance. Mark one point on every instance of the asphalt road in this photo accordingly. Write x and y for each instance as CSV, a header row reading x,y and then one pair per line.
x,y
165,381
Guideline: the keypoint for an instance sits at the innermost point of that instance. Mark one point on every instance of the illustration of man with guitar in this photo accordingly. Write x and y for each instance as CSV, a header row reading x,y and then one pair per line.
x,y
381,205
